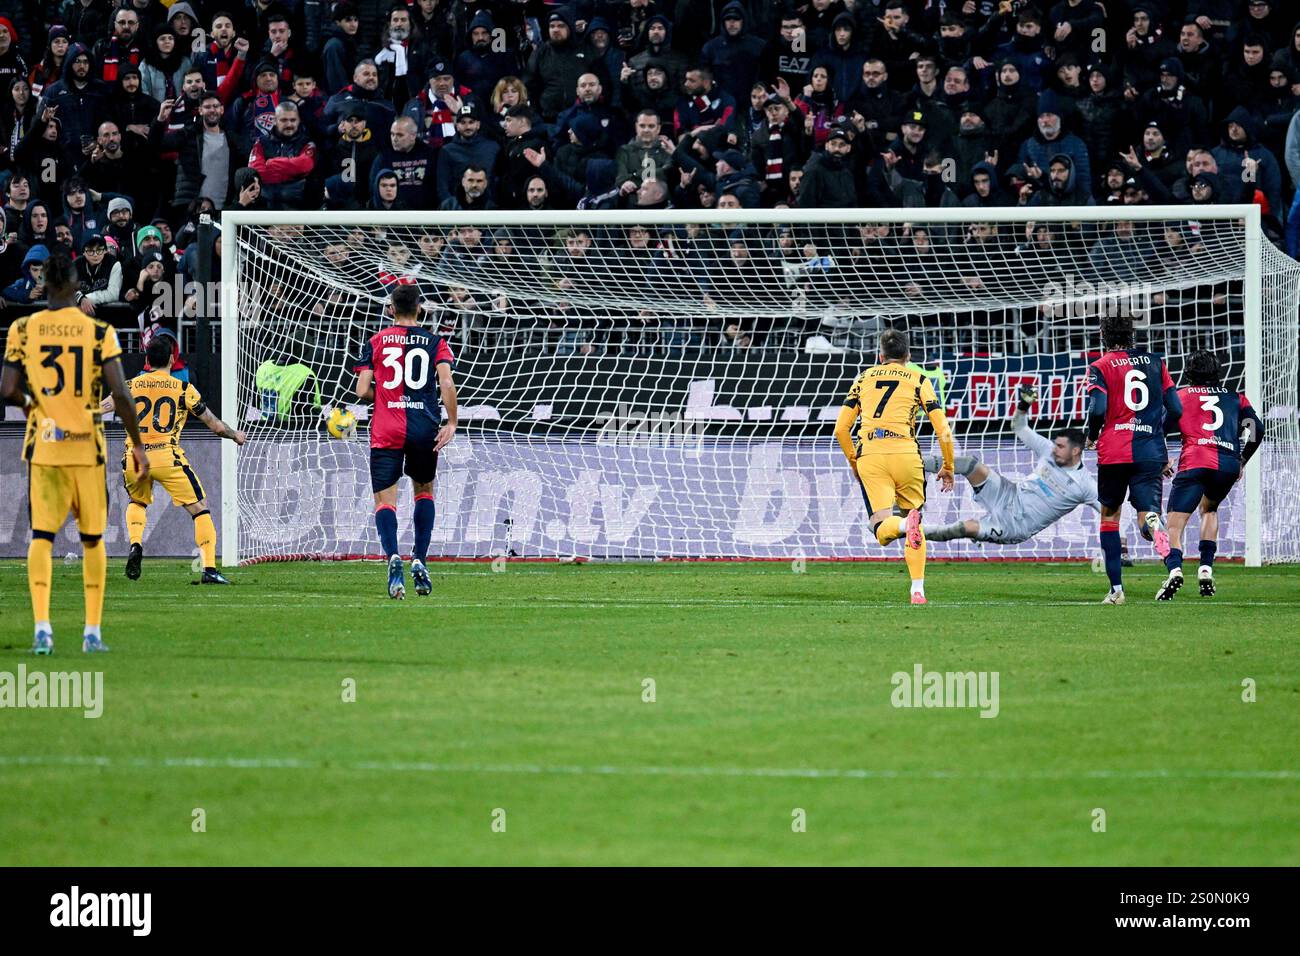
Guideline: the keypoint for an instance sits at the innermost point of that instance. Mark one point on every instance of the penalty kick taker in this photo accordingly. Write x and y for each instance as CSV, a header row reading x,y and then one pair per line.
x,y
1018,510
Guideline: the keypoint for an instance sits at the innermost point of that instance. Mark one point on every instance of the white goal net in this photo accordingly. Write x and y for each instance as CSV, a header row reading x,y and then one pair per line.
x,y
665,386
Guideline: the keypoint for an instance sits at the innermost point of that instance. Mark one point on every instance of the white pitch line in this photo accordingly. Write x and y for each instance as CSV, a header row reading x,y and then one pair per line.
x,y
605,770
542,601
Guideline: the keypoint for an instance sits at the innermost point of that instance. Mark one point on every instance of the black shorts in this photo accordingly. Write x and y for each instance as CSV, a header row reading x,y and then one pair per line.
x,y
387,465
1142,480
1191,486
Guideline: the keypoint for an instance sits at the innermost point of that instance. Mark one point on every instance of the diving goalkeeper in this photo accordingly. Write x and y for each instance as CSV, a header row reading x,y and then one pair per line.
x,y
1018,510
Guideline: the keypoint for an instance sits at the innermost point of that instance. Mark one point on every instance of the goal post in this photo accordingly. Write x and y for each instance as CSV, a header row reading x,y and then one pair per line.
x,y
663,384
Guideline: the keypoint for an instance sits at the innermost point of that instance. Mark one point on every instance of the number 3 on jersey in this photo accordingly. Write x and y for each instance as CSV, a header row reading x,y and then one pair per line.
x,y
409,368
1210,403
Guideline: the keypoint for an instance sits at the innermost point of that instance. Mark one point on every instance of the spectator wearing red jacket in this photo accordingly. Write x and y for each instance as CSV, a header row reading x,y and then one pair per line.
x,y
284,158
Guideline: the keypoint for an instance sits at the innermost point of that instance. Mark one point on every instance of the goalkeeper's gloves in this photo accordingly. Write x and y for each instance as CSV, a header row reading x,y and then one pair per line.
x,y
1028,396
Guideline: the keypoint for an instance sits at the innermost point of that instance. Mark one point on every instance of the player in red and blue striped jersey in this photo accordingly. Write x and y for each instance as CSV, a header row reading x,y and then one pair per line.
x,y
405,369
1220,433
1130,397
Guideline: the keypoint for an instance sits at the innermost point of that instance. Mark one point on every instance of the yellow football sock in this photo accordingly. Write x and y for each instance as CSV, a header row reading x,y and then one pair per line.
x,y
40,569
915,558
94,574
135,520
205,536
891,529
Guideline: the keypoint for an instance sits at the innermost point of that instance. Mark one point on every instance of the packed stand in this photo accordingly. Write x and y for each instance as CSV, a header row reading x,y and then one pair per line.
x,y
127,122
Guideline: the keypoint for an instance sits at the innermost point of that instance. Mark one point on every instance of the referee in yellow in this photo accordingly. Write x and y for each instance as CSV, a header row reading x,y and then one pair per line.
x,y
887,458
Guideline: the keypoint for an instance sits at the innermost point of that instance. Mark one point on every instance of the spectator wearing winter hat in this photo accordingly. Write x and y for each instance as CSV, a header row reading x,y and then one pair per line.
x,y
99,275
1051,138
973,144
433,110
1171,103
340,54
12,64
554,67
253,114
121,227
145,284
50,67
347,162
149,244
468,147
735,174
585,143
479,67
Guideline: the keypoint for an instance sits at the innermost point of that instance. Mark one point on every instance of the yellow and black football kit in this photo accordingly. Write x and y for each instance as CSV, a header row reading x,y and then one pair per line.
x,y
163,404
60,355
883,402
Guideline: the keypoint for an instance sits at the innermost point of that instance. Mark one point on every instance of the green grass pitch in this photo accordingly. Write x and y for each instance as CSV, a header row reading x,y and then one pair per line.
x,y
518,698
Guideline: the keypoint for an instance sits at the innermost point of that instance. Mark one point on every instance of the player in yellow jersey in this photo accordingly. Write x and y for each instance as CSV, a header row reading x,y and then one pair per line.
x,y
887,458
162,405
56,364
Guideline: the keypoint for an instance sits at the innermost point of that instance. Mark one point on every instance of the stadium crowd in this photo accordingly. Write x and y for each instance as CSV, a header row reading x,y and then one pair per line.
x,y
126,121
